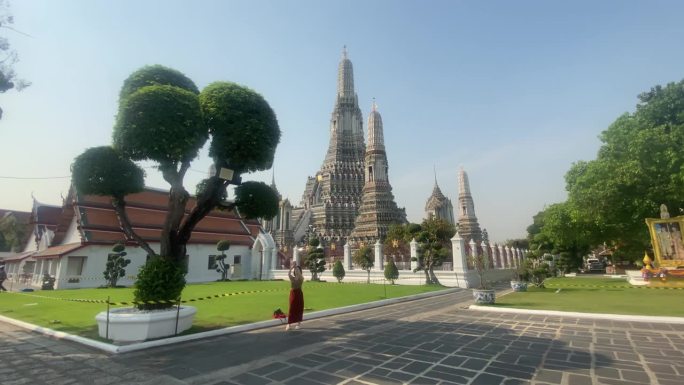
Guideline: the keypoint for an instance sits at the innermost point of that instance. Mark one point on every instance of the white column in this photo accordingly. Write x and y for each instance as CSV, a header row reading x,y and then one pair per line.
x,y
378,256
414,254
295,255
473,249
509,257
266,256
485,252
494,256
347,256
460,264
274,259
502,254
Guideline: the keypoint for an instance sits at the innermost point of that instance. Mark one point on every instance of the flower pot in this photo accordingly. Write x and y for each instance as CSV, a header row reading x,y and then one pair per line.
x,y
130,324
485,297
519,286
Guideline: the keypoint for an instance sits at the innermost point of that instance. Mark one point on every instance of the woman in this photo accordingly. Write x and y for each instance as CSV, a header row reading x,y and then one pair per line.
x,y
296,311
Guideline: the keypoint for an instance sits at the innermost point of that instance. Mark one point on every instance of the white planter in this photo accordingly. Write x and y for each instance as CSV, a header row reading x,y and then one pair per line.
x,y
130,324
484,296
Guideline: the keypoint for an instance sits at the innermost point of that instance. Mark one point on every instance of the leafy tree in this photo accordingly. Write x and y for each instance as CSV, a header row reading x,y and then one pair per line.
x,y
338,271
639,166
8,56
521,243
391,271
116,265
12,233
315,259
363,258
165,119
481,264
561,228
221,265
434,240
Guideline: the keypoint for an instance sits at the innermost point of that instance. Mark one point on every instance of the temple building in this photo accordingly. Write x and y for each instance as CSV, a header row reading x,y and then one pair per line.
x,y
468,228
332,198
438,206
378,210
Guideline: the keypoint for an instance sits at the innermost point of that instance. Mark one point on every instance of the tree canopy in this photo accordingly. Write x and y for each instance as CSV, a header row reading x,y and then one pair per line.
x,y
639,166
8,56
164,118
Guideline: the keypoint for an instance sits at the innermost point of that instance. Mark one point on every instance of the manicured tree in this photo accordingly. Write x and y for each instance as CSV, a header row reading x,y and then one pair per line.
x,y
363,258
163,118
433,241
338,271
116,265
221,265
315,259
391,271
481,264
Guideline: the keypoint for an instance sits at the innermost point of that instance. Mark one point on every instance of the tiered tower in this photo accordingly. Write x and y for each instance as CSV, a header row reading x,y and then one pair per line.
x,y
280,227
378,210
331,199
468,227
438,206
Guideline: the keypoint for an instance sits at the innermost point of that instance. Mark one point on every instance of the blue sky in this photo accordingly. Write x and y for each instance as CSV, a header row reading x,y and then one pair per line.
x,y
513,91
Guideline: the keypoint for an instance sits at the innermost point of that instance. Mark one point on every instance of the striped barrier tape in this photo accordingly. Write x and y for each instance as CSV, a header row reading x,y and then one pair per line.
x,y
615,287
164,302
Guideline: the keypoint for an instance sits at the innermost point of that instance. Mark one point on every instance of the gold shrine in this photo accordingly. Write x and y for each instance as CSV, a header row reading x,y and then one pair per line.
x,y
667,240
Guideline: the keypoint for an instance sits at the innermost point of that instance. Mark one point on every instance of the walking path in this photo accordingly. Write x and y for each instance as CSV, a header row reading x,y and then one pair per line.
x,y
430,341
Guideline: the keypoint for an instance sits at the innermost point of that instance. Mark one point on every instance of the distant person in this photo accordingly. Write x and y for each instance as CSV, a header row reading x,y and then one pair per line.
x,y
3,277
296,312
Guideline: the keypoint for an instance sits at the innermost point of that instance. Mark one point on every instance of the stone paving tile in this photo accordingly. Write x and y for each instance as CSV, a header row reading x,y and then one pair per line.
x,y
433,341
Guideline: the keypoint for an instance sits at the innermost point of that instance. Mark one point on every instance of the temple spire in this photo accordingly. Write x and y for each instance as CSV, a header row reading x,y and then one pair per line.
x,y
345,77
469,228
376,140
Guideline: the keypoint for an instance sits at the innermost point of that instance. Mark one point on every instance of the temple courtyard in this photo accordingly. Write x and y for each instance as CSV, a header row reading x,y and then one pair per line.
x,y
429,341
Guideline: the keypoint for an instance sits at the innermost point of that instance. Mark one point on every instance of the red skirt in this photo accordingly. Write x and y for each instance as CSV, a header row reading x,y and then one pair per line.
x,y
296,306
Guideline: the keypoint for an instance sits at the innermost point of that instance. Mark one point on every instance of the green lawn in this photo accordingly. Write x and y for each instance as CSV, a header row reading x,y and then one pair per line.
x,y
616,297
79,317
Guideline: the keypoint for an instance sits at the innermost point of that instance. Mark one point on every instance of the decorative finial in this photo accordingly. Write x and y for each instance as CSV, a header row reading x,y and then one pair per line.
x,y
434,169
374,106
344,52
273,176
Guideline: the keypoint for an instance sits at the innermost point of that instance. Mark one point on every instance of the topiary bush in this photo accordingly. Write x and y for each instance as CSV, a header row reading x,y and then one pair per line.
x,y
115,267
338,271
158,280
391,271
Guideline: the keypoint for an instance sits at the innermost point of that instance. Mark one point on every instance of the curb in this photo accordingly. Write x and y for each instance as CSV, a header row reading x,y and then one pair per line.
x,y
116,349
614,317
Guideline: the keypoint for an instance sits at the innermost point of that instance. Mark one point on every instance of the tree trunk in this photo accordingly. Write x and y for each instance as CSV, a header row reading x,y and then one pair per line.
x,y
120,208
433,277
170,247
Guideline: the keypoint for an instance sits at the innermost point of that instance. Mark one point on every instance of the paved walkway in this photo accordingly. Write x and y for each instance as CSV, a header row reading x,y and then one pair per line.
x,y
430,341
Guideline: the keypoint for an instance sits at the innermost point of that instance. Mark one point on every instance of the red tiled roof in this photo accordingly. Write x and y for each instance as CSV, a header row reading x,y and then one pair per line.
x,y
57,251
147,212
47,215
18,257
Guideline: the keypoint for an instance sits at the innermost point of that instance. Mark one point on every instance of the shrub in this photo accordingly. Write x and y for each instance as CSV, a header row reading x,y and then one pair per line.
x,y
158,280
116,264
315,259
391,271
338,271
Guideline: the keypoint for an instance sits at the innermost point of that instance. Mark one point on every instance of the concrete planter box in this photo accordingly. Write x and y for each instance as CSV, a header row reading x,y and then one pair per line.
x,y
130,324
484,296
